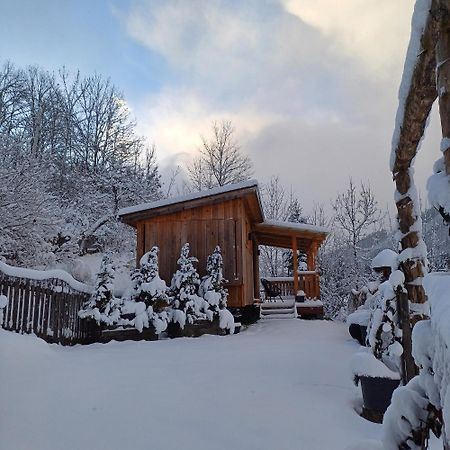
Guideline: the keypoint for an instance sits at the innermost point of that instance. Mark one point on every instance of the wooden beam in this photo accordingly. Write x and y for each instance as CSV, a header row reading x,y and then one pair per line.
x,y
295,264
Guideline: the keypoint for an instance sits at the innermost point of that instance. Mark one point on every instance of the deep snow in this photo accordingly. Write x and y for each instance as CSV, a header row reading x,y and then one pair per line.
x,y
279,384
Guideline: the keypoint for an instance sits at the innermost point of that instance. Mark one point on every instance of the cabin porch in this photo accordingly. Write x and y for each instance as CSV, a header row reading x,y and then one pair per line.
x,y
303,288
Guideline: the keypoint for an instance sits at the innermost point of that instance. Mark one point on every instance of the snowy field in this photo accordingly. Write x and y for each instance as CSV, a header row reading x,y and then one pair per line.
x,y
279,385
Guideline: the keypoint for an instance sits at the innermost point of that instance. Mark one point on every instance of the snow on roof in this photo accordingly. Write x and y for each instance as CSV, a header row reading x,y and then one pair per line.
x,y
386,258
297,226
32,274
189,197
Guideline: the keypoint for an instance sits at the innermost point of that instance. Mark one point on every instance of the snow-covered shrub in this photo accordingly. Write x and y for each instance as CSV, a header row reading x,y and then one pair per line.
x,y
438,186
383,333
150,294
415,408
212,285
187,306
103,306
423,405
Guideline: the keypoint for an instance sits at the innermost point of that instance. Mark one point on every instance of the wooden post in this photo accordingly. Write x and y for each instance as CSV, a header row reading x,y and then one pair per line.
x,y
255,255
295,264
311,256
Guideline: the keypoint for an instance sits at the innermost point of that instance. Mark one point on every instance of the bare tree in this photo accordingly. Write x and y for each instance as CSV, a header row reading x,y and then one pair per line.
x,y
275,207
356,213
220,161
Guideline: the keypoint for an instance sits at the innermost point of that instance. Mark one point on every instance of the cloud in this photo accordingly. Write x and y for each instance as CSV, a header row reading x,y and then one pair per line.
x,y
310,85
375,32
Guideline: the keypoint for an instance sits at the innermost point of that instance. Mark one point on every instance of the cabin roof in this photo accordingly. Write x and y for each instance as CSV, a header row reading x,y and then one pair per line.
x,y
249,188
280,234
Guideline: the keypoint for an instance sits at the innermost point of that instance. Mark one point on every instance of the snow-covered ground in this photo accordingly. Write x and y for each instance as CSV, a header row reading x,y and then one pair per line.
x,y
278,385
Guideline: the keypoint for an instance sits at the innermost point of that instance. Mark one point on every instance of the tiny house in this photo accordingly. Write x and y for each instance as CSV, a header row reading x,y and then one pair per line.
x,y
231,217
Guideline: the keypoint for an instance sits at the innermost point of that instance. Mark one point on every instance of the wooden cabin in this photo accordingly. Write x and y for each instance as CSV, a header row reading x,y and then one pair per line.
x,y
231,217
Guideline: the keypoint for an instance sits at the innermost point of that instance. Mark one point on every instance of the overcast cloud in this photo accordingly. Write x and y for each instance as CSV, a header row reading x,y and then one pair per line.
x,y
310,85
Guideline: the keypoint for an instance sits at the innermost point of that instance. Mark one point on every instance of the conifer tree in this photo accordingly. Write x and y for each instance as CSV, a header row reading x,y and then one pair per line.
x,y
151,290
103,306
187,305
212,286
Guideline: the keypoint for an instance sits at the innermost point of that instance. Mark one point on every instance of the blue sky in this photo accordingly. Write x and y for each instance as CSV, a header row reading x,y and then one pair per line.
x,y
310,85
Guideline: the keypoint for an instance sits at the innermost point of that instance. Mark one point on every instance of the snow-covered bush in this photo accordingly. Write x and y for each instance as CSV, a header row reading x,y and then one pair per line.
x,y
370,296
415,408
150,294
212,285
383,333
187,306
423,405
103,306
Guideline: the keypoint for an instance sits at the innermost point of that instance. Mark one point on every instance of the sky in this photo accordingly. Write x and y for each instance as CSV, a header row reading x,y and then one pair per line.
x,y
310,85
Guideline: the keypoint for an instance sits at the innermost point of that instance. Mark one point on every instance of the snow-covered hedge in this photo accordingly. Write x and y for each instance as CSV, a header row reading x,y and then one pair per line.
x,y
418,407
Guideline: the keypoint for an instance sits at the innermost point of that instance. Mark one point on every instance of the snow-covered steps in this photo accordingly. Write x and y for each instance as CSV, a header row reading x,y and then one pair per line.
x,y
278,310
279,316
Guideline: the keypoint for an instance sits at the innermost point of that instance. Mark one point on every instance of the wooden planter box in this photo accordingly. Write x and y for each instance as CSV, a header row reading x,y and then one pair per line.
x,y
125,333
195,329
310,312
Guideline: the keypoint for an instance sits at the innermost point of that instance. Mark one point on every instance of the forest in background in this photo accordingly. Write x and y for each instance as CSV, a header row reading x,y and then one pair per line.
x,y
70,157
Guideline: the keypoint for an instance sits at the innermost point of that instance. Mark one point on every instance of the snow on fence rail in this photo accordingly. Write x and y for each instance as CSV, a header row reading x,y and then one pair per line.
x,y
45,303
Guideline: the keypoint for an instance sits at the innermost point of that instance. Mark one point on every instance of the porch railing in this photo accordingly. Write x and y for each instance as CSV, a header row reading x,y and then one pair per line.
x,y
309,282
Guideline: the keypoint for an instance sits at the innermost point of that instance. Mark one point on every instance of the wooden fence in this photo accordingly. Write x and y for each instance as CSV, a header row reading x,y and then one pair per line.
x,y
48,308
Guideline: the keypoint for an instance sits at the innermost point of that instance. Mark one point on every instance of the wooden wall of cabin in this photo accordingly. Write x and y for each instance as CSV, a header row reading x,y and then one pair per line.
x,y
225,224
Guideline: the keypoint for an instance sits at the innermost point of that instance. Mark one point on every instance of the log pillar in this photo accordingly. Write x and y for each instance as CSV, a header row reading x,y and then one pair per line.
x,y
295,264
443,84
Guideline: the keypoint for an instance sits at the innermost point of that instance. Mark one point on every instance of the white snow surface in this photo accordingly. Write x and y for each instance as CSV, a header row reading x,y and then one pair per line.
x,y
280,384
386,258
297,226
418,22
45,275
438,187
188,197
363,363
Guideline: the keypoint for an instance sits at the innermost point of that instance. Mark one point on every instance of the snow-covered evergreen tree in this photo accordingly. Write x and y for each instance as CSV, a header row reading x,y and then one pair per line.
x,y
212,286
103,306
187,305
151,290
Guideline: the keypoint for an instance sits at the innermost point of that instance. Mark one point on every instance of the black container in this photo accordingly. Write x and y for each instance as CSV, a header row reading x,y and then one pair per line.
x,y
363,333
358,332
377,393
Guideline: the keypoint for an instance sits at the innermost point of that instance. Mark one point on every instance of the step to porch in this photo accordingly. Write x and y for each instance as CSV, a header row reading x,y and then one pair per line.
x,y
278,310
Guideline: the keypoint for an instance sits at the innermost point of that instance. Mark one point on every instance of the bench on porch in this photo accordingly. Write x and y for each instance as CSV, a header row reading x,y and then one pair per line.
x,y
307,305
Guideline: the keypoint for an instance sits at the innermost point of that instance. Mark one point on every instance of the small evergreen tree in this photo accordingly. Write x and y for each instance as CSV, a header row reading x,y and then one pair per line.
x,y
151,290
212,286
383,333
103,306
187,305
